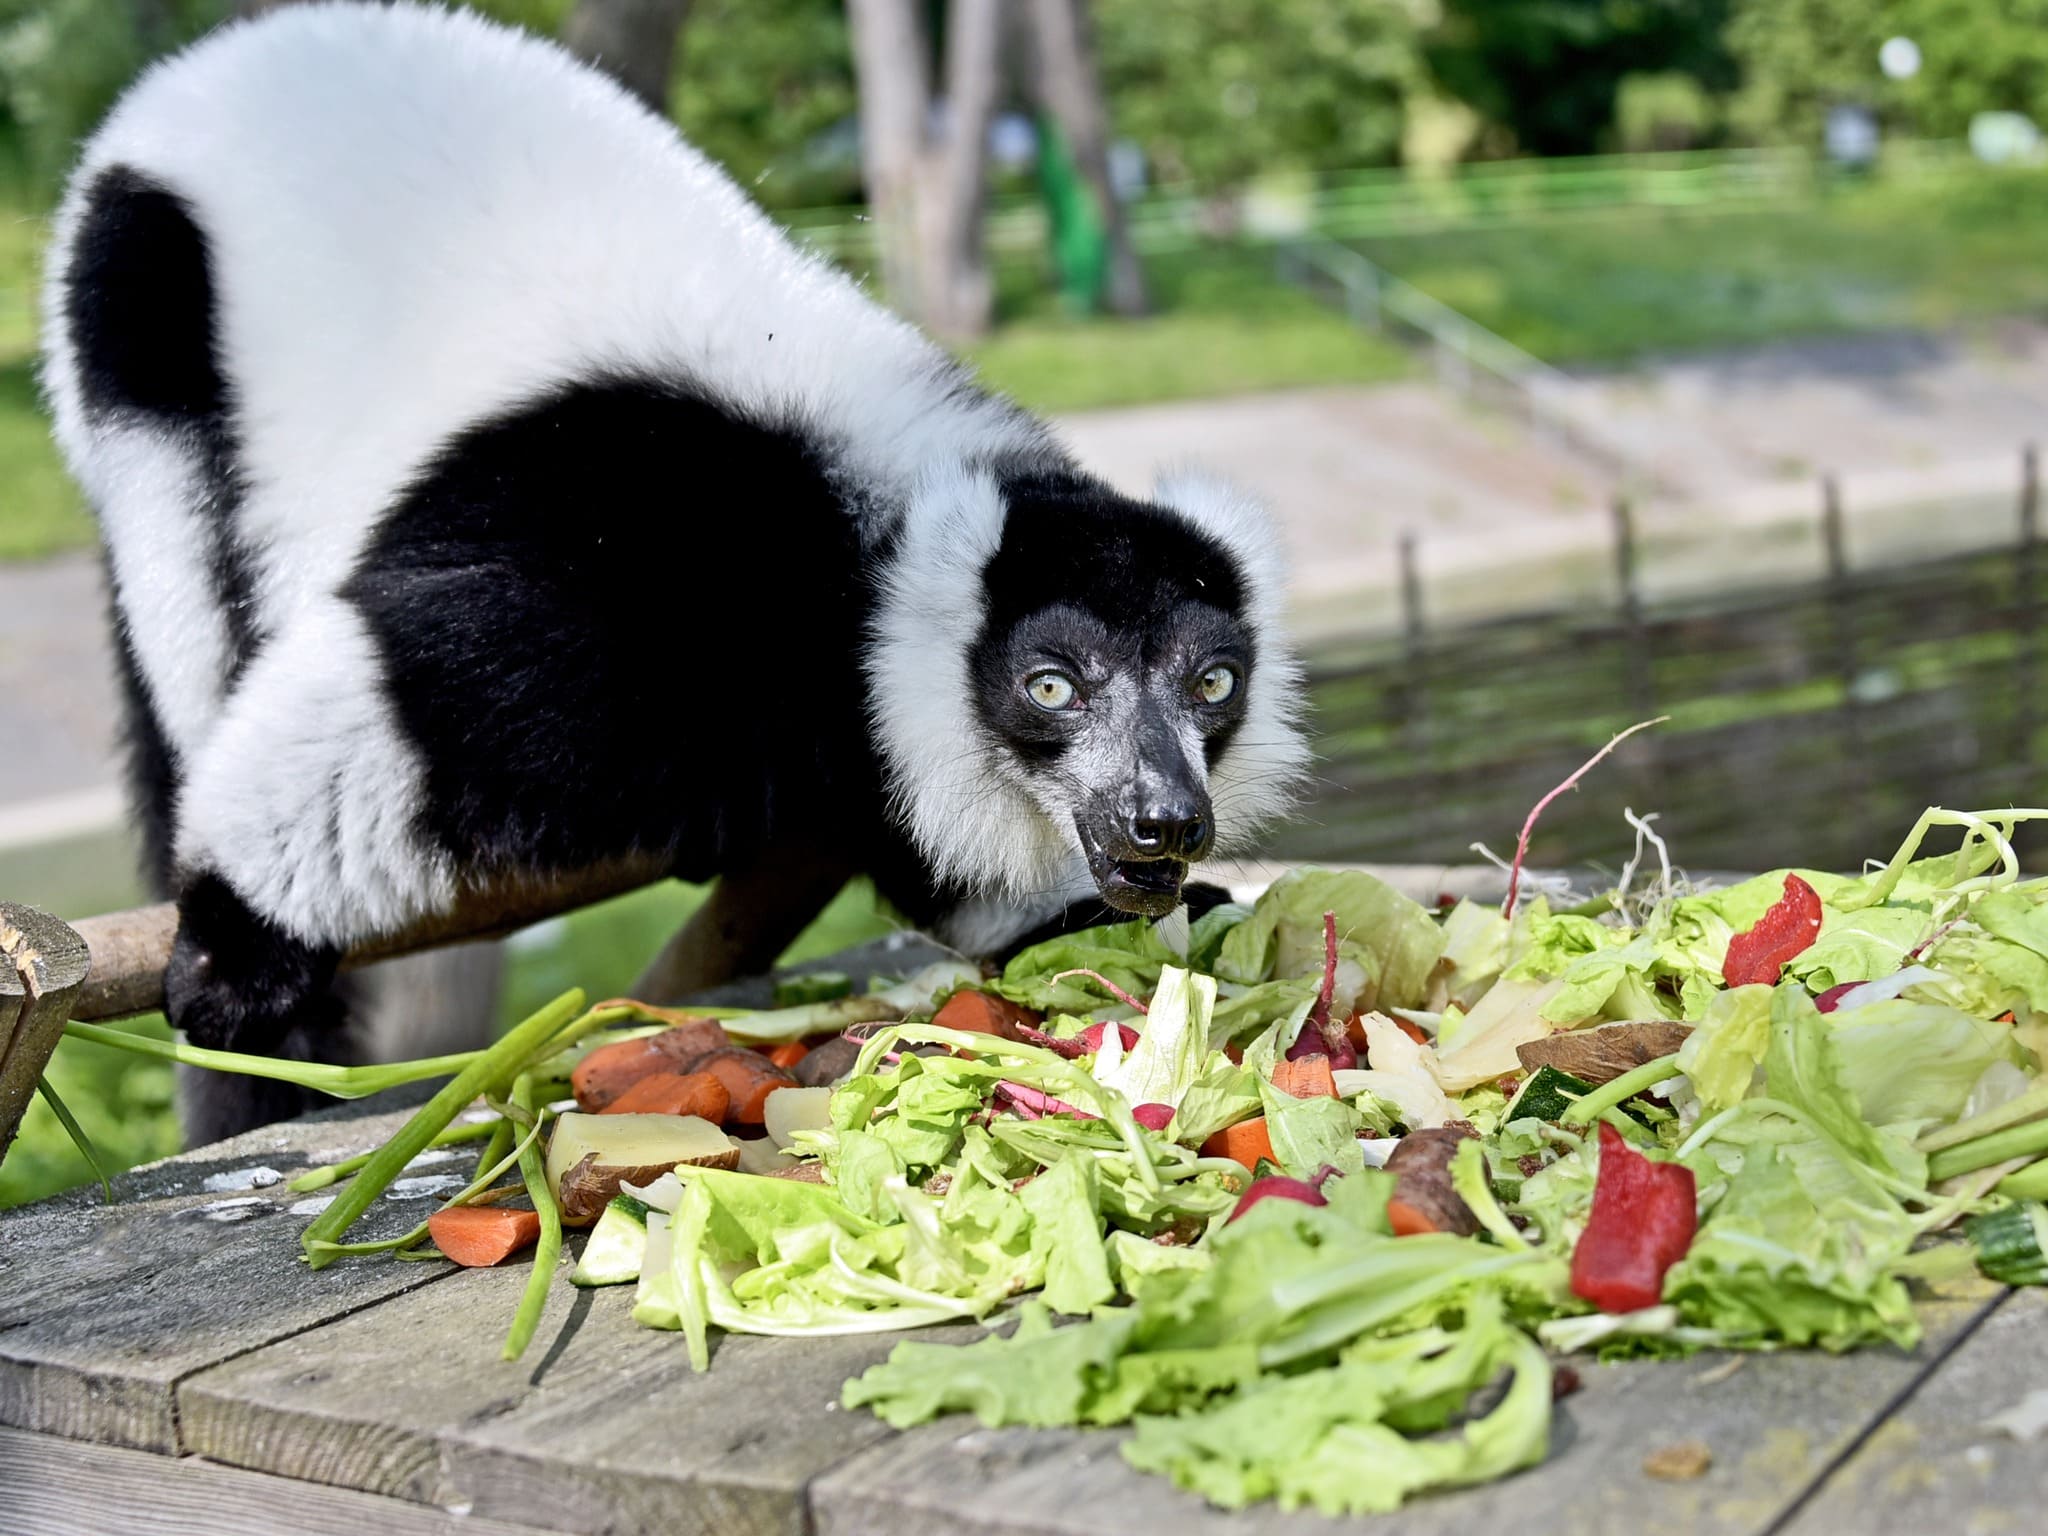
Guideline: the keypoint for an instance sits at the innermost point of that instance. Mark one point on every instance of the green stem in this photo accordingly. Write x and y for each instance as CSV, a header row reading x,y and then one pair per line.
x,y
1623,1088
476,1187
549,1249
78,1137
334,1173
499,1144
2030,1183
320,1077
2028,1106
485,1072
2029,1140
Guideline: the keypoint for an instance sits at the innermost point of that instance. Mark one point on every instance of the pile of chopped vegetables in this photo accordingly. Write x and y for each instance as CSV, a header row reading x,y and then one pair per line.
x,y
1319,1183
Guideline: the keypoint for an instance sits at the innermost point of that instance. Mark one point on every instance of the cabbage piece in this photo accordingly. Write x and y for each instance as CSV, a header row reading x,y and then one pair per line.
x,y
1392,939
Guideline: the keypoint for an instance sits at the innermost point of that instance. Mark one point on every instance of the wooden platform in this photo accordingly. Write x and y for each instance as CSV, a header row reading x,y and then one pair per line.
x,y
167,1367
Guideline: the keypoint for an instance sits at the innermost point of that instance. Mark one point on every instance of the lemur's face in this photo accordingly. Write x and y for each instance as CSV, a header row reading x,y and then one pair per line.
x,y
1115,667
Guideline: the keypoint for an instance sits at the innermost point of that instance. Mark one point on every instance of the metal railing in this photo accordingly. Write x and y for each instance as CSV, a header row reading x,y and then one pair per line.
x,y
1469,360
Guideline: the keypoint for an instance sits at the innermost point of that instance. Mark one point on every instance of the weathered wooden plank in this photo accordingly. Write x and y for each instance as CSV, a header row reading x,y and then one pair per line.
x,y
1772,1427
1938,1464
57,1487
42,962
603,1427
103,1309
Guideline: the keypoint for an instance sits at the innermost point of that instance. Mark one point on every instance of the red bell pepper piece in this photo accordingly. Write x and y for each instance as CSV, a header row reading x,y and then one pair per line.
x,y
1781,935
1644,1216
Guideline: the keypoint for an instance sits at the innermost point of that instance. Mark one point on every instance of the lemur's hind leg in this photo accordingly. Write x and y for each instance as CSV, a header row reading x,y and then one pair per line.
x,y
297,837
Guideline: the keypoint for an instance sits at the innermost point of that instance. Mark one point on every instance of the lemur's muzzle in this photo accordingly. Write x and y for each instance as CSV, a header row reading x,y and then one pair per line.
x,y
1140,857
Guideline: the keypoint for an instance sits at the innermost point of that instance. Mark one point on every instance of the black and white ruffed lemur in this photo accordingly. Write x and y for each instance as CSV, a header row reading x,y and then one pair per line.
x,y
489,488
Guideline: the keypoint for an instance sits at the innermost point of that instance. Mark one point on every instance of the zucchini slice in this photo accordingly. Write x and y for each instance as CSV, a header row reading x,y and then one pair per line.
x,y
2012,1244
617,1242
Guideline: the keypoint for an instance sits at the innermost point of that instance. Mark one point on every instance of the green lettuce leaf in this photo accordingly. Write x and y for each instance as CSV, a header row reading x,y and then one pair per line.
x,y
1392,939
1129,954
1038,1375
1722,1054
1173,1048
1066,1236
1309,1134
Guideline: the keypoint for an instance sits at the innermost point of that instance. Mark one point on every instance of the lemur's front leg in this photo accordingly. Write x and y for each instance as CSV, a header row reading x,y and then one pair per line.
x,y
238,982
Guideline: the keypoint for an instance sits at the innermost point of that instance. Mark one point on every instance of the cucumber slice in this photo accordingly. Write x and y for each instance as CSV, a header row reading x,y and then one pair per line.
x,y
617,1242
812,987
2012,1244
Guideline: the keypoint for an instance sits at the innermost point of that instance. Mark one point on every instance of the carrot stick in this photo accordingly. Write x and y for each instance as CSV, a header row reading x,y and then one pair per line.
x,y
785,1056
674,1093
478,1236
1307,1077
1407,1220
1244,1143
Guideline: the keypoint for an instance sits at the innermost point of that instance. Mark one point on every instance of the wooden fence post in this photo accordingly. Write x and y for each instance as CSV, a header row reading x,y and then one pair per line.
x,y
1639,684
1842,628
2026,622
42,963
1414,693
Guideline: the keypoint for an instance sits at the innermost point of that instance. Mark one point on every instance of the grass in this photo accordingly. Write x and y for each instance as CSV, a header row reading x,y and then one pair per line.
x,y
1221,325
125,1103
1618,286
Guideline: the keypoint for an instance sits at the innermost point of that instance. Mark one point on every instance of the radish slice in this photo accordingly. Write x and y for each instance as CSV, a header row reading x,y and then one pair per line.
x,y
1883,990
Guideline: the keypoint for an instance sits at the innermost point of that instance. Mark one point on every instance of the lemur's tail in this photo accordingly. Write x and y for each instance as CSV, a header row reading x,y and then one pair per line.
x,y
135,304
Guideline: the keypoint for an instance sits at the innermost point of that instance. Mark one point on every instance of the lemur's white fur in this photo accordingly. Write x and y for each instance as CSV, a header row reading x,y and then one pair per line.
x,y
417,219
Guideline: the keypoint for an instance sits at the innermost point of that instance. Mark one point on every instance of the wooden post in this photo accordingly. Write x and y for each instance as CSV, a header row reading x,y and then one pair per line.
x,y
42,963
2026,619
1842,627
1639,686
1414,693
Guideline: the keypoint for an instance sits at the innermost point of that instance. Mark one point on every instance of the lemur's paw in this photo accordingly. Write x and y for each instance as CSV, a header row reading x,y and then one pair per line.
x,y
236,981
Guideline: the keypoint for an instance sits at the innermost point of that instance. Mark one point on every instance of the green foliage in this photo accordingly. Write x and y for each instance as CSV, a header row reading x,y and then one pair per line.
x,y
1217,91
62,63
1799,57
1550,71
1629,284
758,86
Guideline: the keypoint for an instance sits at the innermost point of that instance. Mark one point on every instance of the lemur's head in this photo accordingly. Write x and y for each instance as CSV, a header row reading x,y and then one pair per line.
x,y
1072,686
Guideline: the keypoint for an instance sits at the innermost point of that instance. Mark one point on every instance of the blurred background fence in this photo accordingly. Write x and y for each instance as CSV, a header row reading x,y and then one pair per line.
x,y
1830,711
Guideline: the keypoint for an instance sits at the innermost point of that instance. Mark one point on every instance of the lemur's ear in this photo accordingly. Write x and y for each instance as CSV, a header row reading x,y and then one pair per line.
x,y
1236,520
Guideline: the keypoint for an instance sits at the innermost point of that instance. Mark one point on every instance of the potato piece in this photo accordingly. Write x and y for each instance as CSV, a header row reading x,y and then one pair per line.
x,y
796,1109
1600,1055
759,1154
828,1062
589,1156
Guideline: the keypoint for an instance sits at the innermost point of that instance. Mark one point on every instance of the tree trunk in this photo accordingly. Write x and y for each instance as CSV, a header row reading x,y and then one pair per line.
x,y
633,41
926,194
961,296
889,61
1070,89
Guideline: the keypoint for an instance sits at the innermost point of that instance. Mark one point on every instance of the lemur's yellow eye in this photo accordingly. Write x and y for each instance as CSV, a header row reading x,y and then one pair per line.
x,y
1216,685
1052,690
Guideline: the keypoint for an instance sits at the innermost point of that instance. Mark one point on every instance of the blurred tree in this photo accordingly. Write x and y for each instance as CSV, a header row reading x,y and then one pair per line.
x,y
1799,57
62,63
1217,91
926,160
766,89
1551,70
634,41
1068,86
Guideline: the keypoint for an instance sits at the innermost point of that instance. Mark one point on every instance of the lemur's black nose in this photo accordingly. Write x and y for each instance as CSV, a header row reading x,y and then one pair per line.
x,y
1170,832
